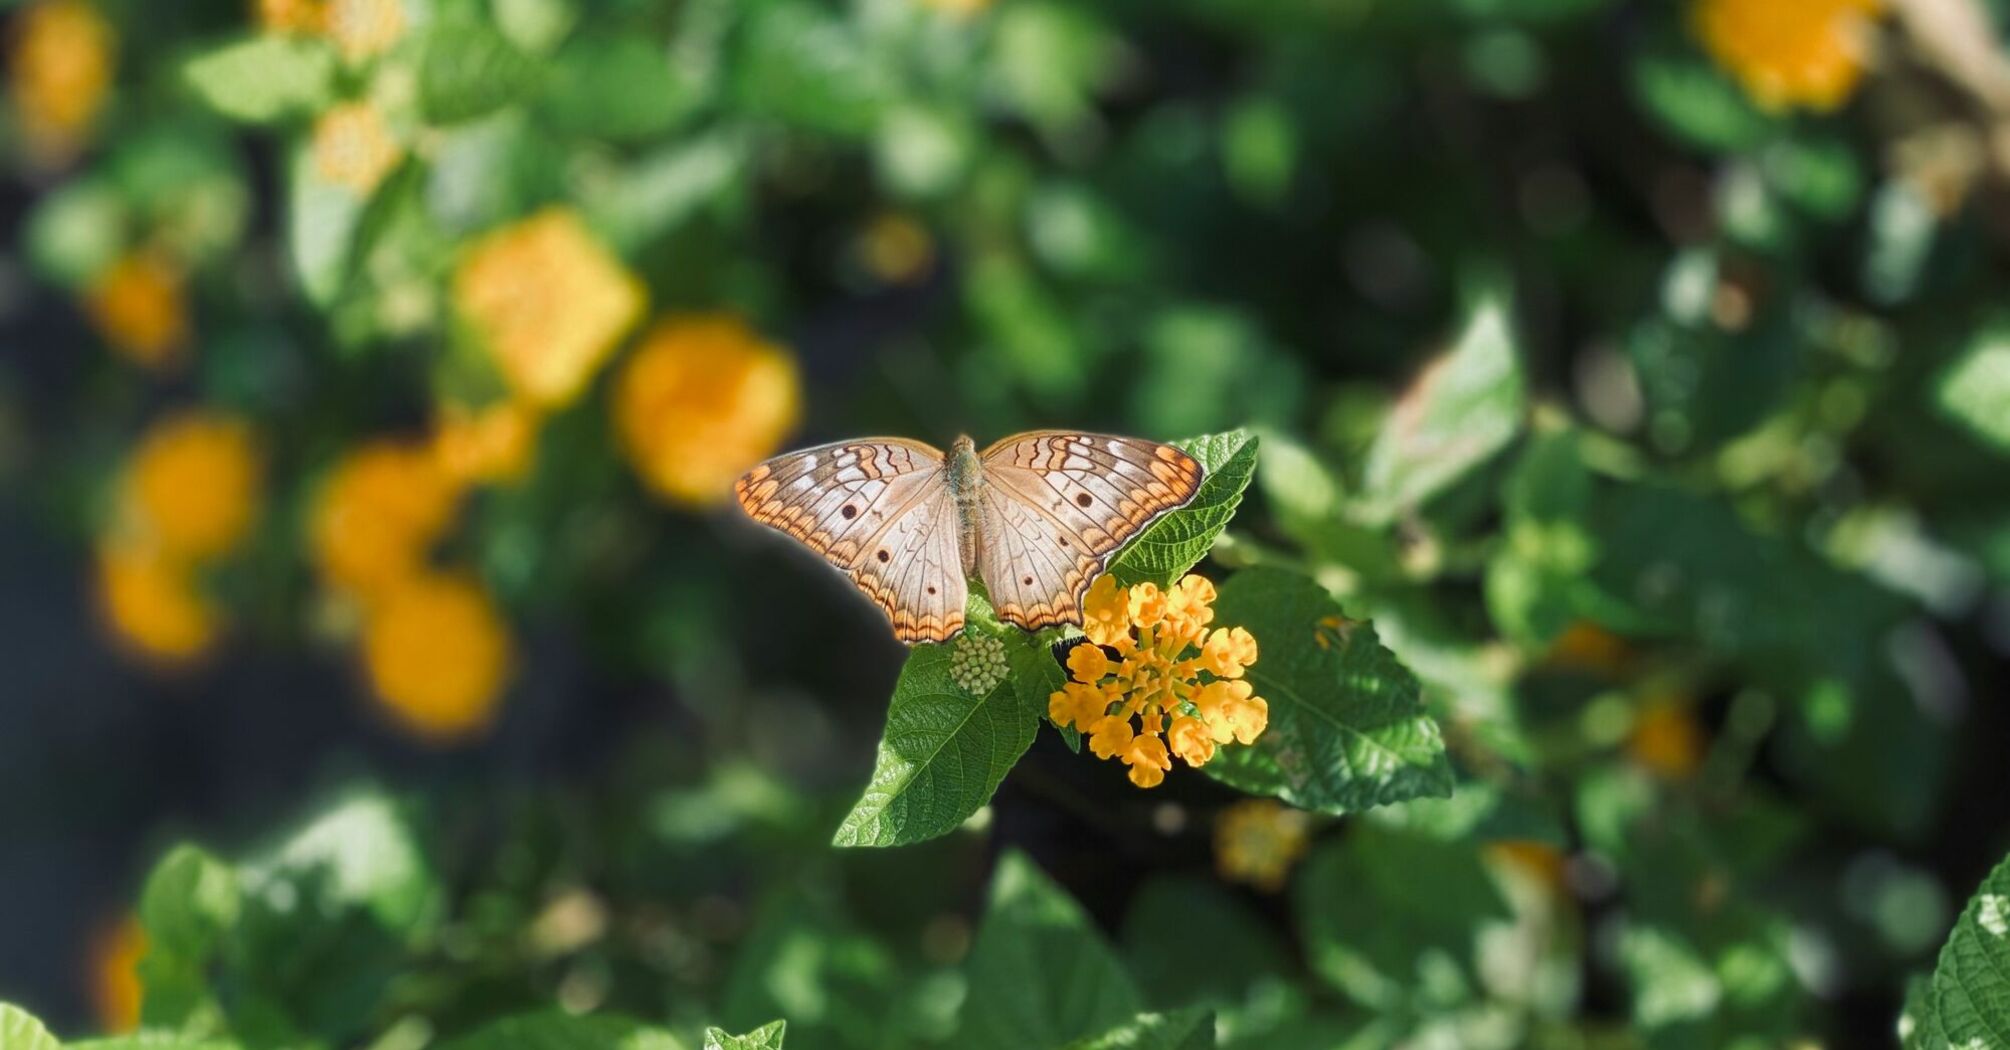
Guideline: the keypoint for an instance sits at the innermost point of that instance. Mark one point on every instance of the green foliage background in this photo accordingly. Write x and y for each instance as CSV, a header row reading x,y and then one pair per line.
x,y
1615,472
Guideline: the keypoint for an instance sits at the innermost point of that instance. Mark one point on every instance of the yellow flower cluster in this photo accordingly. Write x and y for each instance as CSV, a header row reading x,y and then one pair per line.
x,y
1182,682
549,303
379,513
139,305
1258,841
1666,740
1789,53
353,147
59,73
115,955
290,16
434,646
187,496
703,399
438,653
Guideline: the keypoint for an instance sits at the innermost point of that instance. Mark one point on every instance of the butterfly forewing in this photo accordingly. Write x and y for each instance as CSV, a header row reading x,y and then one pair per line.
x,y
879,510
1057,504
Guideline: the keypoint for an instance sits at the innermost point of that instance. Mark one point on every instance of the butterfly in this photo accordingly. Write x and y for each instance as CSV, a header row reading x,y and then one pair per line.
x,y
1036,517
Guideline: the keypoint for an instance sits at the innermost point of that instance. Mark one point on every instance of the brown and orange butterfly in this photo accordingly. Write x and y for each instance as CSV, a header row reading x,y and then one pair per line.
x,y
1036,517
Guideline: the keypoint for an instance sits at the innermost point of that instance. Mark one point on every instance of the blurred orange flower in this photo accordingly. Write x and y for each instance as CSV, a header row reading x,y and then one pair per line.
x,y
1585,646
484,445
1666,740
115,981
378,514
365,28
192,484
1259,841
151,601
353,147
59,73
438,653
548,301
1163,648
1789,53
703,399
139,305
290,16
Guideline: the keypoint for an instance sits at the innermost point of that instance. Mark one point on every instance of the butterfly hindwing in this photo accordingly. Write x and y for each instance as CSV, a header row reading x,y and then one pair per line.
x,y
878,510
1057,504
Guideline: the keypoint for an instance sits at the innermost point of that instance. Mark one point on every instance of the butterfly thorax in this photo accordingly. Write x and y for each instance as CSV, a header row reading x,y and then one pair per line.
x,y
965,472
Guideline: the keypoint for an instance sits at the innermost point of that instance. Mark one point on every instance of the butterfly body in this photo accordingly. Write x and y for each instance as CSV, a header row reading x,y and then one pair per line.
x,y
1035,517
965,476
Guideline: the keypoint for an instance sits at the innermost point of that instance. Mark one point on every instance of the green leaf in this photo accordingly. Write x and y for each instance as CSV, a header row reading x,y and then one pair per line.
x,y
321,222
1696,103
614,86
1040,974
554,1030
1969,1000
1347,729
1465,407
370,856
264,78
1975,392
469,69
19,1030
189,900
76,231
1382,911
1177,542
944,751
766,1037
1188,1029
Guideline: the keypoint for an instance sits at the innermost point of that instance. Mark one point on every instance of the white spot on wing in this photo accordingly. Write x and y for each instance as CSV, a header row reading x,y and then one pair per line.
x,y
1994,913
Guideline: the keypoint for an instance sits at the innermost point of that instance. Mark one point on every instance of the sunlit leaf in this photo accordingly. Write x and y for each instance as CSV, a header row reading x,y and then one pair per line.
x,y
1465,407
944,751
19,1030
264,78
1175,543
1347,729
766,1037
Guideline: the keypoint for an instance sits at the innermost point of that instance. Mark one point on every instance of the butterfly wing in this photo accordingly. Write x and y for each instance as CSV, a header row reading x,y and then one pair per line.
x,y
1055,506
878,510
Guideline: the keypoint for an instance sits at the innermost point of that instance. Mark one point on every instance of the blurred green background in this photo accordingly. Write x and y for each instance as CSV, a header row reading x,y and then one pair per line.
x,y
374,374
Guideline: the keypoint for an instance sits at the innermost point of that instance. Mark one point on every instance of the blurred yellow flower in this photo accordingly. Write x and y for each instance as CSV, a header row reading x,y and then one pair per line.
x,y
1258,841
896,249
438,653
192,484
703,399
151,601
1540,861
493,443
548,301
139,304
365,28
59,73
353,147
1789,53
115,981
1666,740
290,16
1171,673
1585,646
378,515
